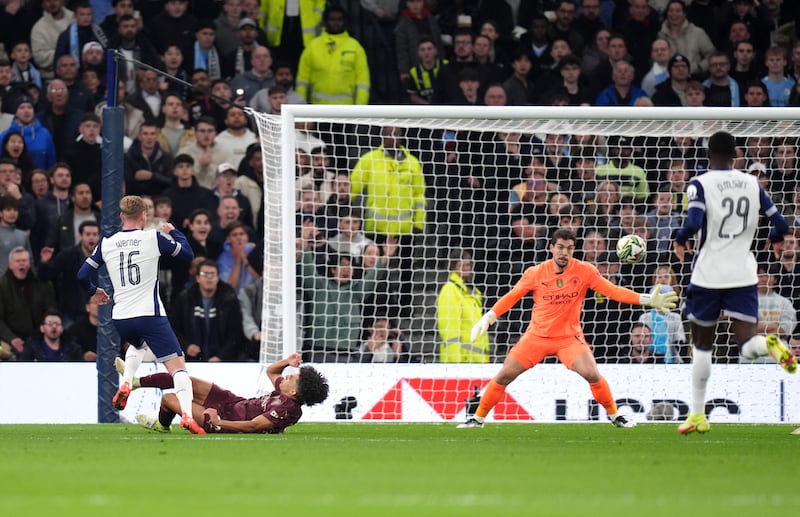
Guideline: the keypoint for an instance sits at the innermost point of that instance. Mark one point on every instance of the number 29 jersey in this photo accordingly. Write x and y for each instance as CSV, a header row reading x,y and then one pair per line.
x,y
731,201
132,258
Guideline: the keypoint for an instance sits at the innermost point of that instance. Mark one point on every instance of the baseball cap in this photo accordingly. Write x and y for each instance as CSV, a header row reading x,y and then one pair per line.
x,y
91,45
619,141
226,168
308,143
757,168
247,21
677,58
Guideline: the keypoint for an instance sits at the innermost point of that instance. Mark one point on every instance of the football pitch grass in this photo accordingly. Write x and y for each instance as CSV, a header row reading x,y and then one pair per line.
x,y
401,469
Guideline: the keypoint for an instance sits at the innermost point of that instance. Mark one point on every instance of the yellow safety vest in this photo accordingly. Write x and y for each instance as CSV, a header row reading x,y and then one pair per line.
x,y
333,69
457,310
272,14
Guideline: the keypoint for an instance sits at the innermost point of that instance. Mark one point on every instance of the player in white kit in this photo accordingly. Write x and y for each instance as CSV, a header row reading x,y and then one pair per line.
x,y
132,256
724,209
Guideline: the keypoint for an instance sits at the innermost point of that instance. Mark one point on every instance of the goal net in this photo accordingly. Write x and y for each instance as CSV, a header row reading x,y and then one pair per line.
x,y
391,229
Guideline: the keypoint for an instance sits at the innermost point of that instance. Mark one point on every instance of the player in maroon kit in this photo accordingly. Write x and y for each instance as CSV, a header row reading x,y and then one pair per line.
x,y
222,411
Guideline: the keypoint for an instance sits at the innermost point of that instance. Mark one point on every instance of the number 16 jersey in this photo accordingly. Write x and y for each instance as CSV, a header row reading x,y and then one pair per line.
x,y
731,201
132,258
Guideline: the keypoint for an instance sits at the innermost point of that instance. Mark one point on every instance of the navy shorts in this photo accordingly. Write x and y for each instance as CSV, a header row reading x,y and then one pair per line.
x,y
704,306
153,330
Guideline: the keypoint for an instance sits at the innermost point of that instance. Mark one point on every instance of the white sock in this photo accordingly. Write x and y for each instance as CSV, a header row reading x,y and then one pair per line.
x,y
755,347
133,358
701,371
183,390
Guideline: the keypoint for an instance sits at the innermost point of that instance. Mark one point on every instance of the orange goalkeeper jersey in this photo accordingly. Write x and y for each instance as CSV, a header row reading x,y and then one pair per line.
x,y
558,297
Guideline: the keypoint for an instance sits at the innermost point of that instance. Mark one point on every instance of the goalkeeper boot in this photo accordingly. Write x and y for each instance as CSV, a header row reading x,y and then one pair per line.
x,y
470,423
781,353
151,423
188,423
696,422
120,399
621,421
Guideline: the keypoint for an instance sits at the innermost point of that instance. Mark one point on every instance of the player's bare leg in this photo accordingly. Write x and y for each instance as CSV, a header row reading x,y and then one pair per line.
x,y
586,366
754,345
494,392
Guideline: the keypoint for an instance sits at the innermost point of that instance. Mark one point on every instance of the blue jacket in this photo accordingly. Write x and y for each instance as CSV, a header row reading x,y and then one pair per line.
x,y
39,142
609,97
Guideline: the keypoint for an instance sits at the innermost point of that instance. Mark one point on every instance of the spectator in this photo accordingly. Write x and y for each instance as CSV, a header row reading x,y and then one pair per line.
x,y
570,84
776,314
756,95
264,100
79,33
251,303
458,307
61,270
17,21
337,77
148,169
630,178
80,97
14,149
239,61
640,349
133,44
779,86
640,28
227,25
237,135
588,22
228,212
745,69
686,38
172,63
24,300
223,187
414,24
207,318
621,92
173,133
603,74
350,239
490,71
22,69
11,237
563,26
60,117
203,245
203,53
519,88
84,154
85,331
596,53
668,337
337,297
51,345
258,77
147,97
38,139
186,194
250,179
206,153
39,184
121,8
52,205
721,88
384,343
45,32
672,92
234,267
660,54
423,76
10,187
173,26
64,234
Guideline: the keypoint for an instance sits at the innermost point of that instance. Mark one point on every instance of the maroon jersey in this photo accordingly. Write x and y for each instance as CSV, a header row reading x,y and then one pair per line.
x,y
275,407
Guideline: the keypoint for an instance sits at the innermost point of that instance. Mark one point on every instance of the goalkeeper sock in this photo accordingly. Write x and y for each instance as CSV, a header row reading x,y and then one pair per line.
x,y
755,347
701,371
493,394
602,394
165,416
133,358
161,380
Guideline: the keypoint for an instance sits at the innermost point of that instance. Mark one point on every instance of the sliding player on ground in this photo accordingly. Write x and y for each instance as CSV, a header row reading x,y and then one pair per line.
x,y
724,207
559,288
222,411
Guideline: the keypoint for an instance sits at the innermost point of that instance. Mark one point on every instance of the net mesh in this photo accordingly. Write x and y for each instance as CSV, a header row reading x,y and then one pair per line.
x,y
490,192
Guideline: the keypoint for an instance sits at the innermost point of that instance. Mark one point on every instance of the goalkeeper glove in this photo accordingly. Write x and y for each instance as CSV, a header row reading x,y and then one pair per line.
x,y
658,300
482,327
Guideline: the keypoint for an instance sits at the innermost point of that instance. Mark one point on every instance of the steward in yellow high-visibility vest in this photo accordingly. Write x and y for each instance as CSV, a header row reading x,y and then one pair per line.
x,y
333,68
458,308
274,11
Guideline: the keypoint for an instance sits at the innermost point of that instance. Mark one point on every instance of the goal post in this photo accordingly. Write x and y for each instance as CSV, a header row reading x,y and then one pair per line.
x,y
497,181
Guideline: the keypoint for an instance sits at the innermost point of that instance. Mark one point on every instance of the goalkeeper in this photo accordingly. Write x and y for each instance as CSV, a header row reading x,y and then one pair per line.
x,y
559,288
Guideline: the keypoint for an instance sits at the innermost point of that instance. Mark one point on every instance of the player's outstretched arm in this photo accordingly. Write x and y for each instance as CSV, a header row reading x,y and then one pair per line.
x,y
664,302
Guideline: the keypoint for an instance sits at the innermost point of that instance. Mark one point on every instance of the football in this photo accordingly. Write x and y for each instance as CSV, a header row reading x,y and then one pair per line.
x,y
631,249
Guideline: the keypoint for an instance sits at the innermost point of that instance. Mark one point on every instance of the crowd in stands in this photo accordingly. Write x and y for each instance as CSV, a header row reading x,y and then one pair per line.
x,y
194,153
